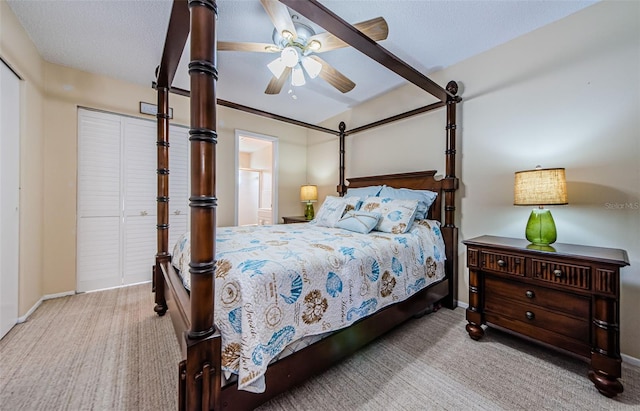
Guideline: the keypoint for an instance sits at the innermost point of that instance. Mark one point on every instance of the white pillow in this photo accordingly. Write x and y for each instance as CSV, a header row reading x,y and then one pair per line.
x,y
333,208
396,215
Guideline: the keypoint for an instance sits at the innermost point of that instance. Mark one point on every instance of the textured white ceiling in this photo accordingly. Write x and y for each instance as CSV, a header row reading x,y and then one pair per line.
x,y
124,39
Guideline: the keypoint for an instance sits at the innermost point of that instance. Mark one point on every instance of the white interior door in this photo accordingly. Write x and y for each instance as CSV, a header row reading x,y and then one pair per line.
x,y
248,197
9,197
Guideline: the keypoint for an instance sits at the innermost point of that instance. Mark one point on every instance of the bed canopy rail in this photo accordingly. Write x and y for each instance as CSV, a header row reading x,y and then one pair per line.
x,y
193,315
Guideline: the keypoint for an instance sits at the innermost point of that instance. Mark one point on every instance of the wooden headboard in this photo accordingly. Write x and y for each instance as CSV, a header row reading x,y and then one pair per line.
x,y
419,180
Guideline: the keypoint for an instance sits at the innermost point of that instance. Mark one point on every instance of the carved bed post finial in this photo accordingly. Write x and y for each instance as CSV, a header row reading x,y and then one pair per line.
x,y
342,188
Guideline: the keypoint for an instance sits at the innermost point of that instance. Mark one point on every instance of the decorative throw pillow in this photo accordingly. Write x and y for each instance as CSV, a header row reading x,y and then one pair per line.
x,y
358,221
425,198
333,208
396,215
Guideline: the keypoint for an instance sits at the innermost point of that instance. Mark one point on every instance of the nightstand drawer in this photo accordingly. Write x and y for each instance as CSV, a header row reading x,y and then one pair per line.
x,y
502,263
537,317
580,347
575,276
543,297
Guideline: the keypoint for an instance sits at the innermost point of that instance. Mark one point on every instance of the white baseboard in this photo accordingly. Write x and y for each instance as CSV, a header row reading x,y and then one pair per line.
x,y
630,360
43,298
118,286
625,358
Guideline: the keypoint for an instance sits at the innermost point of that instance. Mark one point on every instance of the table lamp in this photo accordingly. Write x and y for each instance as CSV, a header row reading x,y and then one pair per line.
x,y
309,195
540,187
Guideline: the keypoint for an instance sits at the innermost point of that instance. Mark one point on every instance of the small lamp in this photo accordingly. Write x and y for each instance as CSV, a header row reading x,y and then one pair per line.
x,y
309,194
540,187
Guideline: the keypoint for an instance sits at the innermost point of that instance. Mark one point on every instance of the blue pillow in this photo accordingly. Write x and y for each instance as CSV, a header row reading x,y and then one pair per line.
x,y
425,198
358,221
364,192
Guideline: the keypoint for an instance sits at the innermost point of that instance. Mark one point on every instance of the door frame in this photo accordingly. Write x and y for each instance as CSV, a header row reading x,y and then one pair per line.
x,y
274,171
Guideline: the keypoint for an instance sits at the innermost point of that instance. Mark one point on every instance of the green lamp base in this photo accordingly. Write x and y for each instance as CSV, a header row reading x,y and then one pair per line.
x,y
541,229
309,213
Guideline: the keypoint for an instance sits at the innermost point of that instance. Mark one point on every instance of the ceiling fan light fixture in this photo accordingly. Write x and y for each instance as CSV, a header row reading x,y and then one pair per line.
x,y
314,45
312,67
276,67
290,56
297,76
287,35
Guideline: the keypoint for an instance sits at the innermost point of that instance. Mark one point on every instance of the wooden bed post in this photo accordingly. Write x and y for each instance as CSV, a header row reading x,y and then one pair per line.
x,y
202,369
342,189
450,185
162,199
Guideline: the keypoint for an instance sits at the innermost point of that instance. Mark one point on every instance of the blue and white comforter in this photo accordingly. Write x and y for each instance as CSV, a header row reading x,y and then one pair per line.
x,y
277,284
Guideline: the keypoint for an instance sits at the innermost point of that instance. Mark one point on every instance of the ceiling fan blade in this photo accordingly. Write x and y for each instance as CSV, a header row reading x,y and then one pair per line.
x,y
334,77
257,47
376,29
276,83
280,17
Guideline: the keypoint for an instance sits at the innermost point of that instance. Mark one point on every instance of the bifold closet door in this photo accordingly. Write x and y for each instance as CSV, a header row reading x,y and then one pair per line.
x,y
139,224
99,200
117,197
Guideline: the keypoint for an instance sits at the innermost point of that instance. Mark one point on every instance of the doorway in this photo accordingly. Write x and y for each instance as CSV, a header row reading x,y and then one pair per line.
x,y
256,179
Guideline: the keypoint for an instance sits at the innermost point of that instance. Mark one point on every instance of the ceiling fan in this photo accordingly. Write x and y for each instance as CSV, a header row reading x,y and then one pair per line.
x,y
297,44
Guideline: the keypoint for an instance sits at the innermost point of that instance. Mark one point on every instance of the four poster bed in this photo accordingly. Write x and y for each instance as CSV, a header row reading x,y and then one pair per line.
x,y
214,278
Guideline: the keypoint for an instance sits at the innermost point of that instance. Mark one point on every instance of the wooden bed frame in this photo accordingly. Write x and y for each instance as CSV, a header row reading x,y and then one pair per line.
x,y
200,378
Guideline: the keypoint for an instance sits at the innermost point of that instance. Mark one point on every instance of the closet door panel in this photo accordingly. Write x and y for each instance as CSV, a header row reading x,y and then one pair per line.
x,y
139,248
99,165
99,201
178,184
140,167
98,253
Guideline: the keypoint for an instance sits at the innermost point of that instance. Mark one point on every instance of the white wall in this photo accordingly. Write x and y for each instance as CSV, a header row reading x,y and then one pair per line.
x,y
566,95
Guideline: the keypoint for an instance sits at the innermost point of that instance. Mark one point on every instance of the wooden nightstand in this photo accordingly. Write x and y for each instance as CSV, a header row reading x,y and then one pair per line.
x,y
295,219
564,296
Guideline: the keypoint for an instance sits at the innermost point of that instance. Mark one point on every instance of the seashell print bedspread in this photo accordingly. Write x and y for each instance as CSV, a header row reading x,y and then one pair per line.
x,y
277,284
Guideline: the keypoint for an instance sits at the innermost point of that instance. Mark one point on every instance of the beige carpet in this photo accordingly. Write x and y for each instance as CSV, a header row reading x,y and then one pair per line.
x,y
88,352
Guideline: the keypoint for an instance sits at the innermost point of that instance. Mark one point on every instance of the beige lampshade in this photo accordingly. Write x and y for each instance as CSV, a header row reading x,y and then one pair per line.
x,y
542,186
309,193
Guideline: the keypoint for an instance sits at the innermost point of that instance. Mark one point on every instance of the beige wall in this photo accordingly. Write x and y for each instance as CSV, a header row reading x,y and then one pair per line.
x,y
566,95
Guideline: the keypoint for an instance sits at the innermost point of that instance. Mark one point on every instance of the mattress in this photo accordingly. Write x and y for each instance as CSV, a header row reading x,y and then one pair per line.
x,y
281,284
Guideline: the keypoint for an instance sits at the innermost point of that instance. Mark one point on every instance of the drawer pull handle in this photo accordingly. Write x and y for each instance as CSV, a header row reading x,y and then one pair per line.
x,y
557,273
529,294
501,263
530,315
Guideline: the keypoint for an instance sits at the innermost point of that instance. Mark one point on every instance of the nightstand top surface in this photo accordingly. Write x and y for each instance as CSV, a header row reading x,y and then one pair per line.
x,y
608,255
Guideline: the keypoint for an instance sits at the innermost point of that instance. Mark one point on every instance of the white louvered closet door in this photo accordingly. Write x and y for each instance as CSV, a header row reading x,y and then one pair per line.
x,y
178,183
117,197
140,192
99,200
